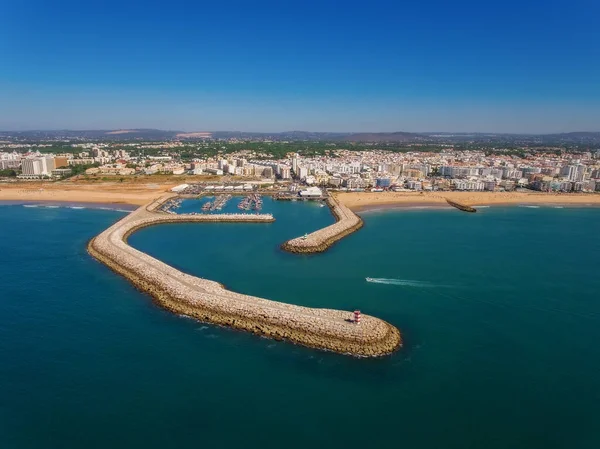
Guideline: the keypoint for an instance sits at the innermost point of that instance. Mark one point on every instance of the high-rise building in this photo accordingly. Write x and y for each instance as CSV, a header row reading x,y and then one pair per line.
x,y
31,167
574,172
39,166
49,165
284,172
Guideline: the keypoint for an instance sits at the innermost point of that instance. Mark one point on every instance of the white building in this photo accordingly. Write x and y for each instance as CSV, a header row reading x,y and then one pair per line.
x,y
179,188
31,167
302,172
42,166
311,192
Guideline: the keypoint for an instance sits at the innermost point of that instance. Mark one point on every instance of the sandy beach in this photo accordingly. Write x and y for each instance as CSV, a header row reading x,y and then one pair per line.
x,y
141,193
108,193
361,201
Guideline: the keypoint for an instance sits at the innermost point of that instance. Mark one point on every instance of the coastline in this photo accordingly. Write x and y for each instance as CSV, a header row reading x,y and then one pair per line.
x,y
369,201
370,208
107,193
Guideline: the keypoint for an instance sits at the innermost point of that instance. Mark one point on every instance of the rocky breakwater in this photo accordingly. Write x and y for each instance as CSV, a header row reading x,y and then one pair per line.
x,y
460,206
346,223
209,301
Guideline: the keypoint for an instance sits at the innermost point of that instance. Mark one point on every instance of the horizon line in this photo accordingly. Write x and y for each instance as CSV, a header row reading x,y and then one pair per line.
x,y
294,131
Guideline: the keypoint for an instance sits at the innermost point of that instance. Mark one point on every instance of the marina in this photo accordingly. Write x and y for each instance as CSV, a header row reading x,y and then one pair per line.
x,y
217,204
170,206
209,301
251,202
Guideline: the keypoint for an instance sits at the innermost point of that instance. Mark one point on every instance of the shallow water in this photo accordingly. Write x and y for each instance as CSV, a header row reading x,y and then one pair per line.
x,y
500,316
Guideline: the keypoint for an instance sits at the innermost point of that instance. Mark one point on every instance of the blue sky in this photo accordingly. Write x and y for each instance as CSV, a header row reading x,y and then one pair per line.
x,y
429,65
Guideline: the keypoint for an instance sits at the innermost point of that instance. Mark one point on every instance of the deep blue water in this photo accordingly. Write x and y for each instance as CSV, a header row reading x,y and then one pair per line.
x,y
500,312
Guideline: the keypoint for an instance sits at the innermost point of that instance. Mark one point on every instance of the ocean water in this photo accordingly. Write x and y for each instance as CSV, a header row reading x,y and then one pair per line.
x,y
500,313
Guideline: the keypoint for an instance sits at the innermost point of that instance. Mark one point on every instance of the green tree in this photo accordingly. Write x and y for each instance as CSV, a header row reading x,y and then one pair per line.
x,y
8,173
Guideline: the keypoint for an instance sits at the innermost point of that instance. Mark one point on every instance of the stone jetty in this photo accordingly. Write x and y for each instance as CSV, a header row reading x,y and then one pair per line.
x,y
346,223
210,302
460,206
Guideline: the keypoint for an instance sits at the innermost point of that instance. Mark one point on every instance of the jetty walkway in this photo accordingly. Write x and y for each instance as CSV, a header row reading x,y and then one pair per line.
x,y
209,301
346,223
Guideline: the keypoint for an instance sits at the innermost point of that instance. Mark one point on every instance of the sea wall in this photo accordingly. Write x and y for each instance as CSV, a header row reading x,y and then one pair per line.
x,y
209,301
346,223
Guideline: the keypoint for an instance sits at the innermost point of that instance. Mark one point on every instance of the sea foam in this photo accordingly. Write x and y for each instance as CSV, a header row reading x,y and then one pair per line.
x,y
402,282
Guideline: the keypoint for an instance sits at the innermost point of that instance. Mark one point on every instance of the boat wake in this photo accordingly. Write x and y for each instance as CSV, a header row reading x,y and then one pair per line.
x,y
402,282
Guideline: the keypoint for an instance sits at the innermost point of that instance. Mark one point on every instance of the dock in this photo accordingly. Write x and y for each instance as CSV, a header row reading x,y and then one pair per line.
x,y
209,301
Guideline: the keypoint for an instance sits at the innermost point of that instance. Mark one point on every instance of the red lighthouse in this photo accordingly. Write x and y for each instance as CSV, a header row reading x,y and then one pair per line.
x,y
357,316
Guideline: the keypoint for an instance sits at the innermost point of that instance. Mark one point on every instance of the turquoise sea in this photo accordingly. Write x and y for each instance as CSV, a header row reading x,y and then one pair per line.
x,y
500,312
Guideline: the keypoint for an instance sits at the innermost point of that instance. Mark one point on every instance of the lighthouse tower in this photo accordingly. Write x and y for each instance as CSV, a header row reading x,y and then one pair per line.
x,y
357,317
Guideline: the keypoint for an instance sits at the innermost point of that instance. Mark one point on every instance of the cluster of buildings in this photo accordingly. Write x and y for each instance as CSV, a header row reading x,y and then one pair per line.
x,y
36,165
378,170
450,170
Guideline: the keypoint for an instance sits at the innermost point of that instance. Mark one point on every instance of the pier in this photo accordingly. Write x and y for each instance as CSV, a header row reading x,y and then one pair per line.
x,y
209,301
347,222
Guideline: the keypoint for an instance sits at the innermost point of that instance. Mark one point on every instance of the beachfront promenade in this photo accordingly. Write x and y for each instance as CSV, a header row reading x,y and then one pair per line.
x,y
209,301
346,223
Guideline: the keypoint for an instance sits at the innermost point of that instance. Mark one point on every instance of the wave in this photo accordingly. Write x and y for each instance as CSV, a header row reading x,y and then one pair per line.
x,y
77,206
402,282
530,207
482,207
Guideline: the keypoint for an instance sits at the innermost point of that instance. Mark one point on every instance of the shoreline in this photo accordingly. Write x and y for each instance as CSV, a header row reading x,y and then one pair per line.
x,y
109,193
365,201
367,208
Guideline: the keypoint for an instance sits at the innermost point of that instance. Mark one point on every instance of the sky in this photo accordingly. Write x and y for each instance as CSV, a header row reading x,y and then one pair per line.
x,y
524,66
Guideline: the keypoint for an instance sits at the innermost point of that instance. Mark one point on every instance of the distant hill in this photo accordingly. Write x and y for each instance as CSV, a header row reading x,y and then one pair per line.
x,y
576,136
382,137
572,138
97,134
